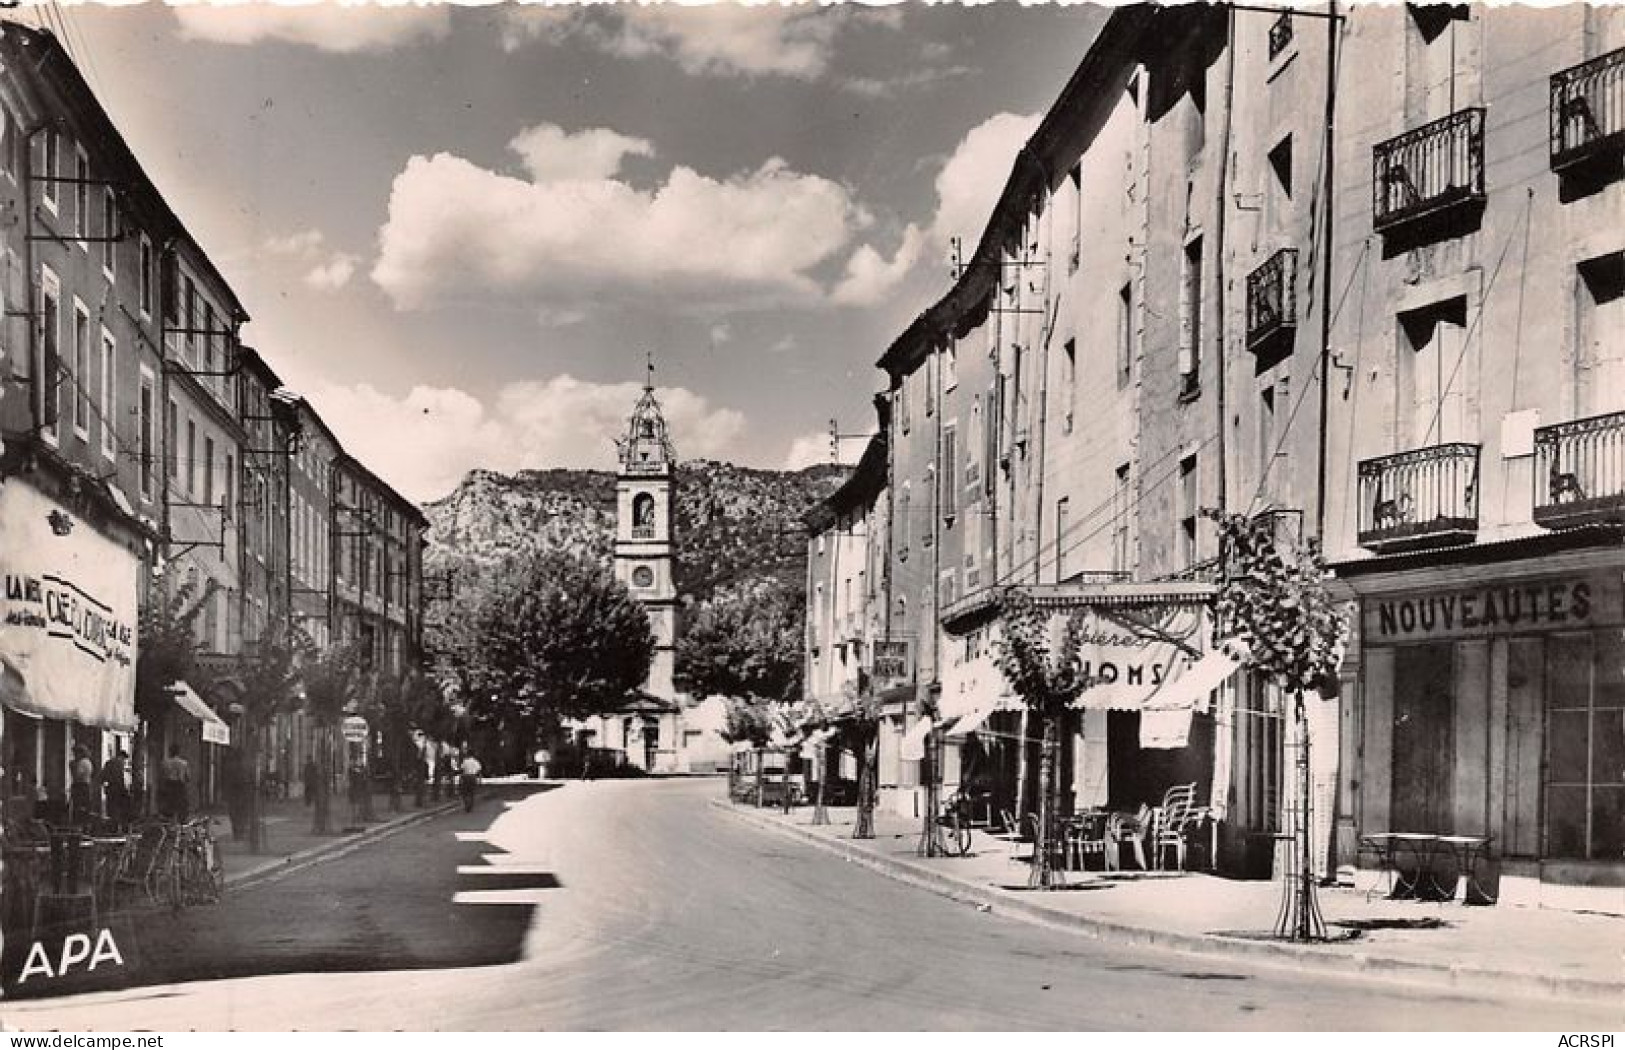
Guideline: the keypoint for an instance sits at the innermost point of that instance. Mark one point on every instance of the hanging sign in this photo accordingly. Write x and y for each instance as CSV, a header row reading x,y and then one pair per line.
x,y
355,729
67,613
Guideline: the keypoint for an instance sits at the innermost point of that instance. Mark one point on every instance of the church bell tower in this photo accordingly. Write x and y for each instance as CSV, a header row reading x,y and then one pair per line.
x,y
643,533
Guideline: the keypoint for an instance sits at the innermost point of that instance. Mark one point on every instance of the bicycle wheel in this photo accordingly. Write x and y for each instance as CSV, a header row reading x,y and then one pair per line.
x,y
172,886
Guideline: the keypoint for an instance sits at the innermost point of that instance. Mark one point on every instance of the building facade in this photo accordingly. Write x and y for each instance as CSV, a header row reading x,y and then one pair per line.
x,y
1208,222
1474,437
146,458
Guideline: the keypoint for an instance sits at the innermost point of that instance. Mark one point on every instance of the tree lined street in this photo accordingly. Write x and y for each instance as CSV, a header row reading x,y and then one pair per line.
x,y
636,905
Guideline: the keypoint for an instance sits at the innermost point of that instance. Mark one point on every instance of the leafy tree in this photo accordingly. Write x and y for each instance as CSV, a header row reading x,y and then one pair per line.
x,y
270,675
746,643
1276,604
166,652
556,637
1039,656
331,681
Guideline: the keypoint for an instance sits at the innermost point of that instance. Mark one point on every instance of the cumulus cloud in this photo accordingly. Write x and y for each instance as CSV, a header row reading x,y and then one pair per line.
x,y
870,277
458,230
724,39
301,244
969,184
552,154
334,274
423,442
343,27
807,450
325,271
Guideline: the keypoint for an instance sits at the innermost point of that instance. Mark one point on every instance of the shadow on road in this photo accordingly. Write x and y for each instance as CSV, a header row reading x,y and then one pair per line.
x,y
395,903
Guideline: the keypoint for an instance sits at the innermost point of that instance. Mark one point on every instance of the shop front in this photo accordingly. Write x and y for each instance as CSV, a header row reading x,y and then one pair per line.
x,y
68,614
1147,722
1492,705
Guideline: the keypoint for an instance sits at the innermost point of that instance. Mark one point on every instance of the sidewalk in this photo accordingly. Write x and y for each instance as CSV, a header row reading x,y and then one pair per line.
x,y
1516,951
290,843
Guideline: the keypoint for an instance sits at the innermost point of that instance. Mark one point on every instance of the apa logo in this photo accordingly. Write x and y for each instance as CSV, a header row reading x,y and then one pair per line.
x,y
76,949
1585,1039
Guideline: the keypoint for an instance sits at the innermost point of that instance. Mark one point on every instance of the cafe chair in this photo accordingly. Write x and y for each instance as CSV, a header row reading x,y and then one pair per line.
x,y
1088,835
1173,819
1130,828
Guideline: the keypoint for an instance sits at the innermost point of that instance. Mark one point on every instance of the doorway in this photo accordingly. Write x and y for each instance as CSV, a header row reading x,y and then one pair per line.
x,y
1424,740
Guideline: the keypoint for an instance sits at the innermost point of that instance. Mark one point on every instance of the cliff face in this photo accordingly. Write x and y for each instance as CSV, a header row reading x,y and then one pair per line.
x,y
735,526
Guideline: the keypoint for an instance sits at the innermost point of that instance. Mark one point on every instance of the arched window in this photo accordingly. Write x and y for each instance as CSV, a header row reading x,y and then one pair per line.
x,y
643,511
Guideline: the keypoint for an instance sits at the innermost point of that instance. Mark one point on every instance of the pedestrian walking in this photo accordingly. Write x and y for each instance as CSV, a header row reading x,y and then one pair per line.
x,y
174,786
358,794
81,789
116,789
469,780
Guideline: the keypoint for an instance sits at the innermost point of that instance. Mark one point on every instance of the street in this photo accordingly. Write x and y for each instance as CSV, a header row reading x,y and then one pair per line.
x,y
635,905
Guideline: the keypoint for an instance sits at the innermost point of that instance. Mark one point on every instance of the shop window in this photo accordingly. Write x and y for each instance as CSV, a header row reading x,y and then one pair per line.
x,y
1585,746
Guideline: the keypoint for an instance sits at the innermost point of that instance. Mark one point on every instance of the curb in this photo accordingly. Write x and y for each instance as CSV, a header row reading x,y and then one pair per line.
x,y
1360,964
269,870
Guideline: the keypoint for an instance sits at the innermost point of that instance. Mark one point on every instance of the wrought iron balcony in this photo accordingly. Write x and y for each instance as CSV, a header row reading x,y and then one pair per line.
x,y
1280,33
1580,472
1588,111
1272,301
1428,170
1426,497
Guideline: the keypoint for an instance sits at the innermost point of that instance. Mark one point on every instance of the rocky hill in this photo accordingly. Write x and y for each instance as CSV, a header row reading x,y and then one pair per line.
x,y
734,525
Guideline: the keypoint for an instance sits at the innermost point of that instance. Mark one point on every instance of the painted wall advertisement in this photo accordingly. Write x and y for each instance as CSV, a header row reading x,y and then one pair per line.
x,y
67,614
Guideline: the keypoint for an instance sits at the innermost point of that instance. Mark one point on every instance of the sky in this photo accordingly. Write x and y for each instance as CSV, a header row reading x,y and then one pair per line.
x,y
460,230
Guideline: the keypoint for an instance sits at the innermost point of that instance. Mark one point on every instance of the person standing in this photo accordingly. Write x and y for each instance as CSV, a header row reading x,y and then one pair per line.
x,y
174,786
469,780
81,793
116,789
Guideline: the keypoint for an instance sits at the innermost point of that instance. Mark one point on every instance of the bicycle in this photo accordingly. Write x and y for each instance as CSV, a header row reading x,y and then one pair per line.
x,y
954,820
185,866
201,876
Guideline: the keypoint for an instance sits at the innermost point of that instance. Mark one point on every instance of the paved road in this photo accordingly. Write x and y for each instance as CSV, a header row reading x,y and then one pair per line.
x,y
656,911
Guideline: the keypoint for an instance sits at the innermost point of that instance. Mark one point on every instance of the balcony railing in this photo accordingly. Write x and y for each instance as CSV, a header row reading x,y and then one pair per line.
x,y
1580,472
1428,169
1426,497
1272,301
1588,111
643,532
1280,33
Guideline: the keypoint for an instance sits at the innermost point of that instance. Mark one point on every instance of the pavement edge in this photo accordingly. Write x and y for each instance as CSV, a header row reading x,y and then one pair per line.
x,y
339,846
1358,964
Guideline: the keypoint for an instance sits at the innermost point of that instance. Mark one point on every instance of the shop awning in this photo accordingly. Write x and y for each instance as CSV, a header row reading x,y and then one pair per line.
x,y
215,730
67,614
912,749
13,688
1165,721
